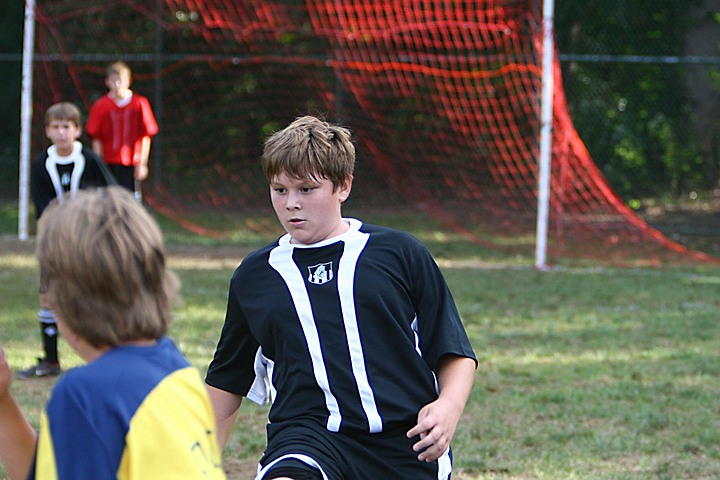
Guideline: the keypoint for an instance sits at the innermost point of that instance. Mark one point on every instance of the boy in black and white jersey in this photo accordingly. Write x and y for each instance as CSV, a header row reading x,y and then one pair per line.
x,y
348,329
59,172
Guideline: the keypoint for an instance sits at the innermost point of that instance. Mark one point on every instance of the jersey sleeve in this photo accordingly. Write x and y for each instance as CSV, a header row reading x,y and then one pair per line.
x,y
98,174
93,126
440,326
233,366
40,185
148,123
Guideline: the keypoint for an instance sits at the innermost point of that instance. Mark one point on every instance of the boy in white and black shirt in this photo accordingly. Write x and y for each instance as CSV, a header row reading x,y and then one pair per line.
x,y
348,329
58,173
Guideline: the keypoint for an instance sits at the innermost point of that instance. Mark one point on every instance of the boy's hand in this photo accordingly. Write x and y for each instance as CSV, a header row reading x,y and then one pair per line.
x,y
437,420
5,376
18,440
141,171
436,426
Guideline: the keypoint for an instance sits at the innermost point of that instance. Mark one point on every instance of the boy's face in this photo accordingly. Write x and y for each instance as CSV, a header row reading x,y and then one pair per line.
x,y
63,133
118,84
309,210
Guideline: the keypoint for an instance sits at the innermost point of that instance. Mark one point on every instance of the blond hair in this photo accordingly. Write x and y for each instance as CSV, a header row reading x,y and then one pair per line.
x,y
63,111
102,262
310,148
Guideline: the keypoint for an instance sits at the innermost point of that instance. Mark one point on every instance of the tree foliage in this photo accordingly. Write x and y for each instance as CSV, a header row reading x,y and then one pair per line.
x,y
627,96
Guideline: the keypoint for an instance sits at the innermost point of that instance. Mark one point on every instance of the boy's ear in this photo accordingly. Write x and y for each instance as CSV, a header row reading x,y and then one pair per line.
x,y
345,188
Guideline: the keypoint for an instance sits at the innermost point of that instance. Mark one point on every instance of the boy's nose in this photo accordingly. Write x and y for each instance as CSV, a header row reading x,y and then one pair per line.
x,y
293,202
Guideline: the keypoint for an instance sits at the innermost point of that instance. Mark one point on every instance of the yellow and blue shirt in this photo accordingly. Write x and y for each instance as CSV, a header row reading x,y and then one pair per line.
x,y
137,412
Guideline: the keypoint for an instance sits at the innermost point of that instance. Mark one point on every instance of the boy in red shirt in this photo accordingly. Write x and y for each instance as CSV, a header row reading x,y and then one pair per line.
x,y
121,125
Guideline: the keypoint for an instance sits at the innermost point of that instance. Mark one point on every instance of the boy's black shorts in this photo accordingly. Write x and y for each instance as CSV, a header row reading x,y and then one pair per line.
x,y
306,451
125,175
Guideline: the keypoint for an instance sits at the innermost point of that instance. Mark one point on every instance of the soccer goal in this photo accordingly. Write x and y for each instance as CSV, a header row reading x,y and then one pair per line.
x,y
444,98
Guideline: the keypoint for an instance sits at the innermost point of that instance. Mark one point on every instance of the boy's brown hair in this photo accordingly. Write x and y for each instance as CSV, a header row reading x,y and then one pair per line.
x,y
117,68
102,262
63,111
310,148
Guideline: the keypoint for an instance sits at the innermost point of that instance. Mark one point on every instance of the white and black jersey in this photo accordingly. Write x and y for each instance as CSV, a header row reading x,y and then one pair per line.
x,y
346,332
54,176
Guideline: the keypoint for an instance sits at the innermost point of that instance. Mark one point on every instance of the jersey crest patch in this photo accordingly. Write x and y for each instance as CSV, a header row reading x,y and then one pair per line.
x,y
320,273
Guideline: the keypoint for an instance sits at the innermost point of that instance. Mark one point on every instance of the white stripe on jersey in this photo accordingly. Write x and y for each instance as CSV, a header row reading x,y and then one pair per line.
x,y
444,465
346,278
262,391
53,160
414,326
281,260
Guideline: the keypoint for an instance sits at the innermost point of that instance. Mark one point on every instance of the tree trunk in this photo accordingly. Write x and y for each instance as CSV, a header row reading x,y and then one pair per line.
x,y
703,39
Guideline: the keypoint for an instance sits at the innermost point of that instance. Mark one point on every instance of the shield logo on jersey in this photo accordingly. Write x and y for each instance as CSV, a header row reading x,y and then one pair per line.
x,y
320,273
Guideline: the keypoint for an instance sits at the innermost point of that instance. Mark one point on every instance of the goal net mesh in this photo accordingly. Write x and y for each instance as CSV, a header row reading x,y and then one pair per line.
x,y
443,98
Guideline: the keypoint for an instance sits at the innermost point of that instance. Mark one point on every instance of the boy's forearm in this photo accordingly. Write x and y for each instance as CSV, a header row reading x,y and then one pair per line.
x,y
225,406
17,440
224,428
144,153
96,146
455,378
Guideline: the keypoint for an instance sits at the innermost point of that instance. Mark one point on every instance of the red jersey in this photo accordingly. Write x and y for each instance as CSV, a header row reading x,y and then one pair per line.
x,y
121,128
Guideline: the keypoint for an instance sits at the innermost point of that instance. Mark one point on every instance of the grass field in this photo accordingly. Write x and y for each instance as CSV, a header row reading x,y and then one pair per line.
x,y
585,373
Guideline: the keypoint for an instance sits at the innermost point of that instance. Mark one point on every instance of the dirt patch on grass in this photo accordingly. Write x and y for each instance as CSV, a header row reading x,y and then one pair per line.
x,y
238,469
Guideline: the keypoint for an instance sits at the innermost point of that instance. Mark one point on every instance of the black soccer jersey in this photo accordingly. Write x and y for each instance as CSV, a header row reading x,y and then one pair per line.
x,y
54,176
346,332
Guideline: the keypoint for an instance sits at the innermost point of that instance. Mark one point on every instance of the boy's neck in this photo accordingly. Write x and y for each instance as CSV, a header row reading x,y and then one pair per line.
x,y
121,95
90,353
65,151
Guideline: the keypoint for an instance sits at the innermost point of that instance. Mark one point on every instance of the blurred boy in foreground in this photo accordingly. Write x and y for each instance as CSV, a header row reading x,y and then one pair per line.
x,y
137,409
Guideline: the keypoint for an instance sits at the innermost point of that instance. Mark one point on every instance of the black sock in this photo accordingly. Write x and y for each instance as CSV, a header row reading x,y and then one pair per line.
x,y
49,330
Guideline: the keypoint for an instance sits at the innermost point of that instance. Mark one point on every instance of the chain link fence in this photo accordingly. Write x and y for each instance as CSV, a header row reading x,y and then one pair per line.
x,y
642,80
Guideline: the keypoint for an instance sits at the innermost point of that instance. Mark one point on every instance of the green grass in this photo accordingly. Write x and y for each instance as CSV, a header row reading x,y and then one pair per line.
x,y
585,373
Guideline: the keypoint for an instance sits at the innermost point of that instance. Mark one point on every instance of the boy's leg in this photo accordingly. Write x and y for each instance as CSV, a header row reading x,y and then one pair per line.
x,y
311,452
49,329
125,176
389,454
300,452
50,364
294,469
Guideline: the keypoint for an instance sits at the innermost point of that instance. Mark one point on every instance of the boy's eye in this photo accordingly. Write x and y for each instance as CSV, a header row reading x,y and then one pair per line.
x,y
307,189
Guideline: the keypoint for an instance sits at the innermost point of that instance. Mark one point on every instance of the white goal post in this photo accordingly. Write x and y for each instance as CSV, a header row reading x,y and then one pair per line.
x,y
26,119
546,115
